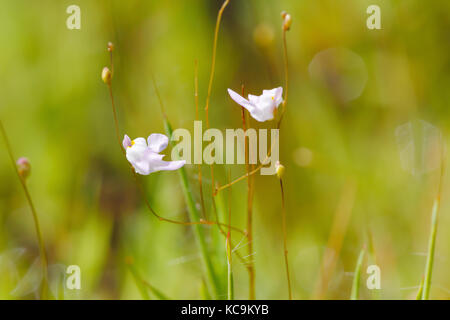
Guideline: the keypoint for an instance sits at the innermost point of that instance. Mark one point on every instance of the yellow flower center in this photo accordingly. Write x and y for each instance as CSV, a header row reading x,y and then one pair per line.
x,y
132,143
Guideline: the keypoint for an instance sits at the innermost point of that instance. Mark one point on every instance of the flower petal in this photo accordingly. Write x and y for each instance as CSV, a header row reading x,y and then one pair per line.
x,y
167,165
126,142
140,142
237,98
157,142
278,96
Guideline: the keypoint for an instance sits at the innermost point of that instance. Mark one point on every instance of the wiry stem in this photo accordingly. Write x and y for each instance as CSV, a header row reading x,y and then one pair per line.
x,y
213,60
211,78
283,218
199,167
251,266
43,254
229,253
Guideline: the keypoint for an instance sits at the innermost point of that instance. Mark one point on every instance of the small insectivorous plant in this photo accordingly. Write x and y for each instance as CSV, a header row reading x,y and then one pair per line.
x,y
145,158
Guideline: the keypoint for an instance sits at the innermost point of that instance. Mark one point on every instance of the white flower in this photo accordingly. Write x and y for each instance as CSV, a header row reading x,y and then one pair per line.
x,y
261,107
145,158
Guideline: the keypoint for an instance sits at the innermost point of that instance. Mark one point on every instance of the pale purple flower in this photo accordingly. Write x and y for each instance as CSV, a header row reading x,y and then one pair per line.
x,y
261,107
144,155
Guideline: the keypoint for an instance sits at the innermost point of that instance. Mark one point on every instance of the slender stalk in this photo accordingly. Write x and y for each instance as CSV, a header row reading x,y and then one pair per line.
x,y
43,254
432,239
251,265
213,60
199,167
229,253
357,276
283,219
211,78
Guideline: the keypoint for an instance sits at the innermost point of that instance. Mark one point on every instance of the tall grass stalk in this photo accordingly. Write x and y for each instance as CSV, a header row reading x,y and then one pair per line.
x,y
357,276
43,254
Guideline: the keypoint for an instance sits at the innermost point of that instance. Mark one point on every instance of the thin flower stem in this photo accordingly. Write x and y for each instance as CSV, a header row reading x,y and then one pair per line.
x,y
251,266
116,122
286,78
211,78
199,167
43,254
229,253
213,60
283,219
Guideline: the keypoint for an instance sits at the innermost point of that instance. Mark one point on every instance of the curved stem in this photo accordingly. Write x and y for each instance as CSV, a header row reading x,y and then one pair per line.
x,y
213,62
43,254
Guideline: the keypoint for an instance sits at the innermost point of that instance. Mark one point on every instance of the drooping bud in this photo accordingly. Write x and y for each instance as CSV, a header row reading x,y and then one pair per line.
x,y
23,167
106,75
279,169
110,47
287,20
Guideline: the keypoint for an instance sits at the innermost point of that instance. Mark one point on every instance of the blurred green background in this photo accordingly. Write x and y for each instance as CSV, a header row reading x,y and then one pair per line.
x,y
344,142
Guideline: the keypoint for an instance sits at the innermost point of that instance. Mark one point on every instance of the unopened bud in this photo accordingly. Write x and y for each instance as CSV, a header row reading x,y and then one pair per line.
x,y
23,167
279,169
287,20
106,75
110,47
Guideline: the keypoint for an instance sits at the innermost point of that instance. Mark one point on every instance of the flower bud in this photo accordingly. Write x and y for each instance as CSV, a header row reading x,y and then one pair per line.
x,y
23,167
287,20
279,169
110,47
106,75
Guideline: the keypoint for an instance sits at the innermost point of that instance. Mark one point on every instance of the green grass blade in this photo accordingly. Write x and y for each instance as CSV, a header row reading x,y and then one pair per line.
x,y
431,249
357,276
420,292
194,215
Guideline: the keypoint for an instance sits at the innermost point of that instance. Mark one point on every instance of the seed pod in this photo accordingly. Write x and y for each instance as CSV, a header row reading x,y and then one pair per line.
x,y
106,75
279,169
23,167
